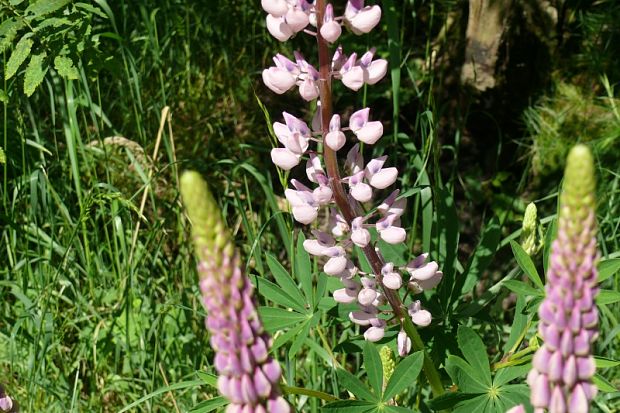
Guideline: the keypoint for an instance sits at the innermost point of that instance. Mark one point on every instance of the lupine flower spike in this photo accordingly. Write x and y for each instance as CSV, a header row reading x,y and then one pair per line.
x,y
348,226
248,376
563,367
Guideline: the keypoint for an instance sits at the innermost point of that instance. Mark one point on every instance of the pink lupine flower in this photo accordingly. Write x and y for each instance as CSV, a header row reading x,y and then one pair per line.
x,y
322,242
308,86
330,30
355,73
351,74
419,316
563,366
281,77
335,138
295,136
348,294
277,8
248,376
376,331
378,176
391,279
337,223
359,235
423,276
367,132
359,190
305,206
393,206
279,28
361,19
403,343
374,70
337,262
389,232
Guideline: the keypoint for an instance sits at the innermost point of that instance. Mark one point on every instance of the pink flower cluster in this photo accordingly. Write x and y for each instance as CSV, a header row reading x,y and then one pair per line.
x,y
361,179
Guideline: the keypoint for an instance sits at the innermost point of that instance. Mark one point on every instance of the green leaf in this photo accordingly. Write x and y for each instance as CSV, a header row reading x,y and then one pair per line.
x,y
286,282
208,379
405,374
522,289
604,385
282,339
477,404
349,406
475,353
466,378
43,7
426,198
18,57
277,318
550,235
2,156
91,9
605,363
526,264
607,297
303,269
607,268
518,328
396,409
507,374
64,66
276,294
300,339
373,366
449,400
354,385
448,241
209,405
8,32
35,72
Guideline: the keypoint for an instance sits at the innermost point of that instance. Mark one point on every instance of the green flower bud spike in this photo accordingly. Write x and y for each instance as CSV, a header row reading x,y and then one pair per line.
x,y
387,361
529,230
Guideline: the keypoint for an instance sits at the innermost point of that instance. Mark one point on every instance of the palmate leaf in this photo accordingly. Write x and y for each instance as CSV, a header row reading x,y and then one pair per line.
x,y
475,353
277,318
35,72
478,391
303,270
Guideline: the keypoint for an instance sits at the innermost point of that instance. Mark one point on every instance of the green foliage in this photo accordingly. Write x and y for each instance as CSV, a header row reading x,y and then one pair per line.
x,y
58,31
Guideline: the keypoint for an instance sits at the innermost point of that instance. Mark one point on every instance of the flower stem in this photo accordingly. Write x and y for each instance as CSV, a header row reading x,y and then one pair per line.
x,y
348,207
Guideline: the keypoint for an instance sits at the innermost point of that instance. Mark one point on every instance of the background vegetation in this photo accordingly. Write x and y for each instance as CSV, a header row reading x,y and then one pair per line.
x,y
103,103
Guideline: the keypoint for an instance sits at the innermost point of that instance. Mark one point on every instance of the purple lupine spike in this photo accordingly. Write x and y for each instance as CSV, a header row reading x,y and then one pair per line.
x,y
563,367
348,224
248,377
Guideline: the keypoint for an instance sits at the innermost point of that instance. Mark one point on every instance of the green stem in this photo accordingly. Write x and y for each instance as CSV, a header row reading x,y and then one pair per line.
x,y
348,209
307,392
